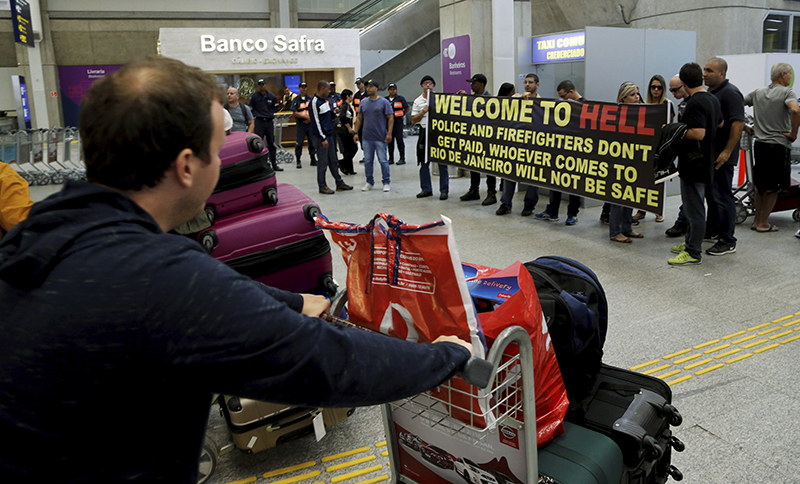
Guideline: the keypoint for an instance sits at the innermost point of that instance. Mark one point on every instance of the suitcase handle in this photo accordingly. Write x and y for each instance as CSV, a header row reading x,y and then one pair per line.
x,y
476,371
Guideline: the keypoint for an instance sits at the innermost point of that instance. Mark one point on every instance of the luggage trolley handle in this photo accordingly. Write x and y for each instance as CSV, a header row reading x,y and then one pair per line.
x,y
476,371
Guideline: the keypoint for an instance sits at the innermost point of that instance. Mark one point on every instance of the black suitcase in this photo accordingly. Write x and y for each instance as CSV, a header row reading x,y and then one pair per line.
x,y
635,411
580,456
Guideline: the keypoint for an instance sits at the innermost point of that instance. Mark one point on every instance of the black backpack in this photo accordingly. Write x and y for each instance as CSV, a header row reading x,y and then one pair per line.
x,y
576,313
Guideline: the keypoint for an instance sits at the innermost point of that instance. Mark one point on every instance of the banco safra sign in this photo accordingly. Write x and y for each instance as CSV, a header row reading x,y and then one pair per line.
x,y
280,43
230,50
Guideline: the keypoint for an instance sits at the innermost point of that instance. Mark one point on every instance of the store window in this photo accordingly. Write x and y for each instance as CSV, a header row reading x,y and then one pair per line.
x,y
776,33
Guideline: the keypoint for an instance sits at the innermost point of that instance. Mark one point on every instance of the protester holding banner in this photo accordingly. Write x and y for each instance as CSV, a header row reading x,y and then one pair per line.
x,y
478,86
696,164
419,114
620,218
510,186
656,94
566,90
681,225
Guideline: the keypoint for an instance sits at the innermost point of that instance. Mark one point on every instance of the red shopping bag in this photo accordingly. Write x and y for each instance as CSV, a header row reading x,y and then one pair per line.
x,y
523,309
407,281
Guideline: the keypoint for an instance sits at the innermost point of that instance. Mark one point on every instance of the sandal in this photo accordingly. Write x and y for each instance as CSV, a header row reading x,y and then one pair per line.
x,y
626,240
772,228
634,235
659,218
639,215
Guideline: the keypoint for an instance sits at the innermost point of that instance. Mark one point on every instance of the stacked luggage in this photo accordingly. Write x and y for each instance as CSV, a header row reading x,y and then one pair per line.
x,y
618,426
265,231
262,229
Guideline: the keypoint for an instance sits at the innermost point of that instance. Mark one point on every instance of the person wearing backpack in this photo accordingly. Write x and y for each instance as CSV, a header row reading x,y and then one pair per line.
x,y
242,117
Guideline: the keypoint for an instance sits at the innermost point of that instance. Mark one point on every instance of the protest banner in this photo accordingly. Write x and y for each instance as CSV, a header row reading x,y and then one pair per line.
x,y
592,149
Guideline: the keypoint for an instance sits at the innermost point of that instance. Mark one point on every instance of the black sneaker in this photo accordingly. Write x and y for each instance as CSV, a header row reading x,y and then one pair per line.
x,y
391,162
424,194
470,195
502,210
443,196
677,230
527,211
326,190
401,161
299,166
275,167
343,187
313,162
490,199
721,248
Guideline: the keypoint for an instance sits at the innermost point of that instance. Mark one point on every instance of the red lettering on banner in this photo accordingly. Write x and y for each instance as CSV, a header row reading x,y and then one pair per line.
x,y
609,114
589,114
640,128
623,115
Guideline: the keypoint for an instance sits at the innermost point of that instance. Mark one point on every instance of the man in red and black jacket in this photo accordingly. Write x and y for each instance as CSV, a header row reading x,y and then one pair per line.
x,y
400,108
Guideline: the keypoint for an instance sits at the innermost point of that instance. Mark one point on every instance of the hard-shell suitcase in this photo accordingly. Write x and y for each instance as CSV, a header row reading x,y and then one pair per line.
x,y
257,425
246,177
580,456
277,245
635,411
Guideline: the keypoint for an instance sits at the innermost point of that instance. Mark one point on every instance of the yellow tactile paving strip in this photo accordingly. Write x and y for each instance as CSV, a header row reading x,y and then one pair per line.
x,y
332,469
778,332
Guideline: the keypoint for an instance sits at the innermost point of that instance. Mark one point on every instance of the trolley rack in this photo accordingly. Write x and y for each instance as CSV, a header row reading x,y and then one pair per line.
x,y
282,121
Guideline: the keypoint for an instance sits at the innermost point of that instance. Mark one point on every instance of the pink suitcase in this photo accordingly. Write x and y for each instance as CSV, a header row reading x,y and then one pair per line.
x,y
246,177
277,245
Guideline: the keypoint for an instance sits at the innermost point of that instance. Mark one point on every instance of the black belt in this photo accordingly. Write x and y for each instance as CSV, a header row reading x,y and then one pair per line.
x,y
264,118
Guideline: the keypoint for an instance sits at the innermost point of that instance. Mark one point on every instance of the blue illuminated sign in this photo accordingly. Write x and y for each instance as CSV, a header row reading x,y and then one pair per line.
x,y
559,48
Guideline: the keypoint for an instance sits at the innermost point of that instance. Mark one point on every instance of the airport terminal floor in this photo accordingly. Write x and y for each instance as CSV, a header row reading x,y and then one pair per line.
x,y
741,423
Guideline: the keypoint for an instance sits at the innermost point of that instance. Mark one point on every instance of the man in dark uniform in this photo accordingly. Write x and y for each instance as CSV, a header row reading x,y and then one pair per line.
x,y
335,97
264,104
303,125
400,107
323,137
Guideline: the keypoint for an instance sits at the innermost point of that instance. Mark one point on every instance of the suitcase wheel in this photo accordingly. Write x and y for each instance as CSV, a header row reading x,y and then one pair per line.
x,y
234,404
254,144
674,416
652,450
329,284
209,240
677,444
211,213
674,473
310,211
796,215
270,196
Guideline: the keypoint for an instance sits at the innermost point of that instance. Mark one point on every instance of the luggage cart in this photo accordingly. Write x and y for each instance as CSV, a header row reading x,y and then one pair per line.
x,y
72,136
31,153
282,121
420,428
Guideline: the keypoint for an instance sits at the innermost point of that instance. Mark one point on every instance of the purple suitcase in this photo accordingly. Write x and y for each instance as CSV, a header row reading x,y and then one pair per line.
x,y
277,245
246,177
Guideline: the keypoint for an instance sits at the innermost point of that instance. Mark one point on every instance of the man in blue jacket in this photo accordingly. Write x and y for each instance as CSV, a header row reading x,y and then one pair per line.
x,y
110,323
323,138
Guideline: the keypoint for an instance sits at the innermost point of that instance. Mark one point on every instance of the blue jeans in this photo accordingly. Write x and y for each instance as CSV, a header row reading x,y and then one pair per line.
x,y
371,150
619,220
555,202
692,196
531,194
425,169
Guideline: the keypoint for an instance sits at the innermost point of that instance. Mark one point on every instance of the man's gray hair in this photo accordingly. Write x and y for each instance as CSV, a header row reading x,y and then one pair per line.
x,y
234,88
778,69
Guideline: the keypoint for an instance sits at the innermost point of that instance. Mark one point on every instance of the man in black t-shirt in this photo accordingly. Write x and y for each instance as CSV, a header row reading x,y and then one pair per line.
x,y
721,202
696,160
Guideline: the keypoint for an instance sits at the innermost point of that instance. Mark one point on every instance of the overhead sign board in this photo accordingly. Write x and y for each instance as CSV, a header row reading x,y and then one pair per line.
x,y
226,50
564,47
21,20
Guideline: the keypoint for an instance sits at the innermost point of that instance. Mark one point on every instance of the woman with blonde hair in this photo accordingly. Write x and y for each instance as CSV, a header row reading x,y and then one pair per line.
x,y
620,218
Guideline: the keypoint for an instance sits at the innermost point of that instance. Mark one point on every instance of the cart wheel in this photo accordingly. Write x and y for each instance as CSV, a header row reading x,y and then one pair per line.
x,y
42,179
208,240
209,455
741,213
211,214
270,196
796,215
57,178
28,178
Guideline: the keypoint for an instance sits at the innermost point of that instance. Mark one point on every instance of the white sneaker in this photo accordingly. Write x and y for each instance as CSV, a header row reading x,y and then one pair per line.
x,y
386,188
366,188
797,234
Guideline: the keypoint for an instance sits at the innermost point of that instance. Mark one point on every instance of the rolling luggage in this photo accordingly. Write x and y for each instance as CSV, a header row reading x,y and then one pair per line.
x,y
277,245
246,177
580,456
636,412
257,426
